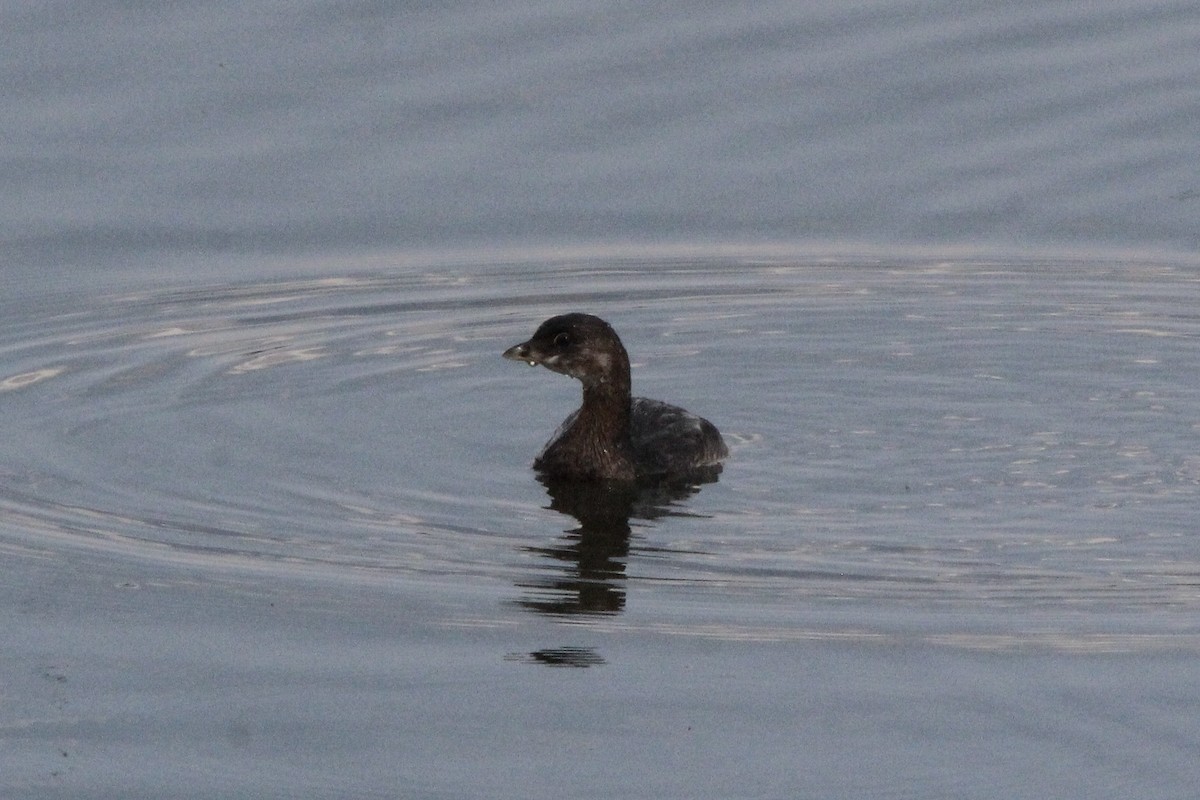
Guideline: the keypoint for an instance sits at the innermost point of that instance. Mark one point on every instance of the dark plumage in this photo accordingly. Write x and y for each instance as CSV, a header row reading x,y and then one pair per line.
x,y
612,436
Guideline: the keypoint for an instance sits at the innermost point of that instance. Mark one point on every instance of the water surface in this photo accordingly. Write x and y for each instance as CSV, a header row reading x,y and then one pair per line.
x,y
905,434
267,522
235,509
191,136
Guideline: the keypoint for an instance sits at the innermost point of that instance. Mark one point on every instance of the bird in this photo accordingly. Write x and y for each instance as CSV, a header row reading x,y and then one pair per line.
x,y
613,436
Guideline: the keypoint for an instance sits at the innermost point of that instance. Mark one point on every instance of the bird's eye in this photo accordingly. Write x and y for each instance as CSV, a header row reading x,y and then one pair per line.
x,y
562,340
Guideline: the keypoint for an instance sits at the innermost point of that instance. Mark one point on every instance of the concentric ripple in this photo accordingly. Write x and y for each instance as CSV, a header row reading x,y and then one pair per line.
x,y
906,435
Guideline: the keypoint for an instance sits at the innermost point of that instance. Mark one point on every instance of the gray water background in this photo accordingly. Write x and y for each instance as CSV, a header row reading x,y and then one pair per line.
x,y
157,133
267,523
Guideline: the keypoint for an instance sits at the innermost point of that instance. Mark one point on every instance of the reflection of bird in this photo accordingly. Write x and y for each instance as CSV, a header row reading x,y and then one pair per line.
x,y
585,573
560,657
613,435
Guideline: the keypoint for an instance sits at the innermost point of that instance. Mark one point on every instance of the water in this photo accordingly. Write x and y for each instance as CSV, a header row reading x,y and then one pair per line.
x,y
1008,439
222,131
267,519
310,501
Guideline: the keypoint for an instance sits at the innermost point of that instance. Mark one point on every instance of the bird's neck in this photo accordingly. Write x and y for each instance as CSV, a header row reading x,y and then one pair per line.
x,y
604,414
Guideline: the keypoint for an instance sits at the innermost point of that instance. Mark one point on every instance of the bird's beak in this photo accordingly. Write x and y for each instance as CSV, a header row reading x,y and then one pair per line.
x,y
521,352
